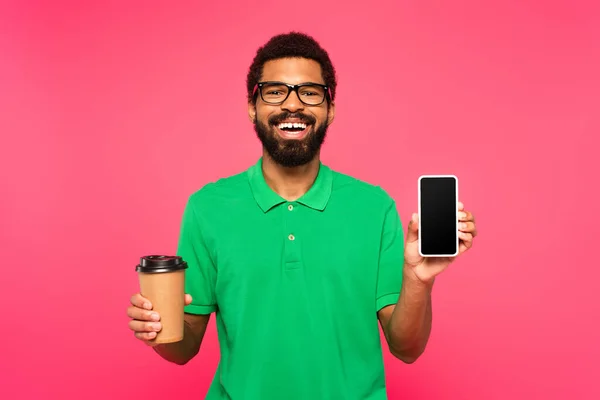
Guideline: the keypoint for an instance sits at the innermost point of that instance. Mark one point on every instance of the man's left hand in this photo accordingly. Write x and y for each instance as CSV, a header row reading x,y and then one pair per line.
x,y
425,269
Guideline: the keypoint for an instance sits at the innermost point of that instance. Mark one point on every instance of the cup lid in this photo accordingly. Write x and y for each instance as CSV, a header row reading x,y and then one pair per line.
x,y
160,263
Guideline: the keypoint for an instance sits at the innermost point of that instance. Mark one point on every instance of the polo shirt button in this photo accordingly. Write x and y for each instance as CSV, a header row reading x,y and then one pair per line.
x,y
290,207
291,237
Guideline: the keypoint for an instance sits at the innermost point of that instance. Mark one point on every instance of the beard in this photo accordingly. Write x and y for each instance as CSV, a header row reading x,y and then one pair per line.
x,y
291,152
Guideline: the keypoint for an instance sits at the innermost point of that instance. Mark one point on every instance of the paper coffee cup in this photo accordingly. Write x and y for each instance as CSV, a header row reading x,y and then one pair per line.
x,y
162,281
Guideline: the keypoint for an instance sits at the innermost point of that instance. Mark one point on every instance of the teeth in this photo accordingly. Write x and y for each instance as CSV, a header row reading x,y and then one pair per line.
x,y
290,125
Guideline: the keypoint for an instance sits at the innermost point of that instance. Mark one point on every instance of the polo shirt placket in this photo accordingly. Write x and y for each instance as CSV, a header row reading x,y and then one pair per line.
x,y
292,242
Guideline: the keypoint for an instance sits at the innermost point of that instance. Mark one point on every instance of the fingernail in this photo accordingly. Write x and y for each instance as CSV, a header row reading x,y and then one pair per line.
x,y
462,215
147,306
463,225
152,334
154,317
156,327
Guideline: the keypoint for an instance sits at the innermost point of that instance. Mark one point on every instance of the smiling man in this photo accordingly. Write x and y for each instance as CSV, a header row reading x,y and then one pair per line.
x,y
291,135
301,264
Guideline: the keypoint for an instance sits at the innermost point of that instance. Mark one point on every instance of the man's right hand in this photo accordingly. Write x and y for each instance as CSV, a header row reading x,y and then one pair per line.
x,y
145,323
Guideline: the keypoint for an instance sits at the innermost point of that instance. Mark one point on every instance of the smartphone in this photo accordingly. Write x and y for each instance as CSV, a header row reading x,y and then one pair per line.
x,y
438,215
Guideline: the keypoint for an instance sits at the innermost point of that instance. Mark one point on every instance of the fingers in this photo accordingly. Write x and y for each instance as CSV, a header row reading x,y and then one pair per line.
x,y
144,322
145,336
466,241
467,220
466,227
141,314
141,302
144,327
466,237
414,221
465,216
413,229
461,206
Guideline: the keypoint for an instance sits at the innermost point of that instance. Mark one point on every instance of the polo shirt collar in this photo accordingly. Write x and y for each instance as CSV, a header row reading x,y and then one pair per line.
x,y
316,197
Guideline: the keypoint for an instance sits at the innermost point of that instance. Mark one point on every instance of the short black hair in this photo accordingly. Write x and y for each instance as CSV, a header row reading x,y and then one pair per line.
x,y
292,44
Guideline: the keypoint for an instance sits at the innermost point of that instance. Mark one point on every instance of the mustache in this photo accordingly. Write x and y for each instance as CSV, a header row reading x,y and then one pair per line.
x,y
277,119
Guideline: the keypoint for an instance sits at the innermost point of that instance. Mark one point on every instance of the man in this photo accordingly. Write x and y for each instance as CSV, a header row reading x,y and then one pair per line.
x,y
299,263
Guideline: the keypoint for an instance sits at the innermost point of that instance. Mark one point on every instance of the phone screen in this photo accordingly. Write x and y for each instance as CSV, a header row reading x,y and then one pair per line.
x,y
438,229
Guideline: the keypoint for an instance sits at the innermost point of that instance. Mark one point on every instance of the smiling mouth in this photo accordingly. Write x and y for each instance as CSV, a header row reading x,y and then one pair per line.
x,y
292,130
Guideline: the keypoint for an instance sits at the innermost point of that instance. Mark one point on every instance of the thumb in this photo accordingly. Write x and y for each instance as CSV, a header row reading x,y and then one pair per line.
x,y
413,229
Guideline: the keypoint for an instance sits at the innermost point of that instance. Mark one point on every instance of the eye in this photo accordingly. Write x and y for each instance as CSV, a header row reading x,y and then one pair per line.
x,y
311,91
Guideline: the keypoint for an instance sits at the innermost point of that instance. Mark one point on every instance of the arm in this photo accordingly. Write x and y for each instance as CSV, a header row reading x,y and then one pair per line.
x,y
407,324
182,352
200,283
403,300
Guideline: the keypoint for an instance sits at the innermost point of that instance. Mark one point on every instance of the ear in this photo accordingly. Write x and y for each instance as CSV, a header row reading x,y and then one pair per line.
x,y
252,111
330,113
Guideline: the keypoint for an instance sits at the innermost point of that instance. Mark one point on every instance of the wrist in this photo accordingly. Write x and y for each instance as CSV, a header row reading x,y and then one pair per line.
x,y
411,278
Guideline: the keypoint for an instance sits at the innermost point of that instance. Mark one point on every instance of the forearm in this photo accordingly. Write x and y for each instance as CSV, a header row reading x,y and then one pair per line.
x,y
180,352
410,324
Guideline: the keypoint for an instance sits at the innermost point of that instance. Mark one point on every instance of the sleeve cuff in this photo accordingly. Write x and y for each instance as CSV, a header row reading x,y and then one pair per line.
x,y
201,310
387,300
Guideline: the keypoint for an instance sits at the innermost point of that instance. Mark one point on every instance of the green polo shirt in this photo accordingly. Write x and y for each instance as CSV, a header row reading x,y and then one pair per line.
x,y
295,285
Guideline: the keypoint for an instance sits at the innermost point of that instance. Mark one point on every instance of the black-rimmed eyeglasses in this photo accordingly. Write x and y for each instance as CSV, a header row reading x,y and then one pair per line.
x,y
311,94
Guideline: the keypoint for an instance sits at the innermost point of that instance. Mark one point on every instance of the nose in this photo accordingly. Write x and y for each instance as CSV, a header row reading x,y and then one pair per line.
x,y
292,103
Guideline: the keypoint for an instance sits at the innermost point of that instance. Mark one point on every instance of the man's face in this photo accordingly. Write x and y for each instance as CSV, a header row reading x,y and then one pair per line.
x,y
290,145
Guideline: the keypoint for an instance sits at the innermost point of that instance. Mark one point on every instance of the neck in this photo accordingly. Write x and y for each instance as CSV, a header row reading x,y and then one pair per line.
x,y
291,183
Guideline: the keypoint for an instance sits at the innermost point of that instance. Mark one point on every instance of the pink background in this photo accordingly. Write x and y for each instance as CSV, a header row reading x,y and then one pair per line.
x,y
112,114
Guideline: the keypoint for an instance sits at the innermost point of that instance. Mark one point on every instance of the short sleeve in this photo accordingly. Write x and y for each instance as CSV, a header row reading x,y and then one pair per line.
x,y
201,274
391,259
